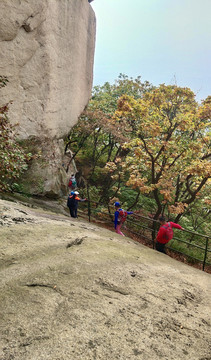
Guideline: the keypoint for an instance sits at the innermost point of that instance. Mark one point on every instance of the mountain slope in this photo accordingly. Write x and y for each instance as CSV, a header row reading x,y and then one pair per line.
x,y
72,290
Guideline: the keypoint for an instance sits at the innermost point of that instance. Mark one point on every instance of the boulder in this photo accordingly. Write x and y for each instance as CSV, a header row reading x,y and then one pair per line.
x,y
47,54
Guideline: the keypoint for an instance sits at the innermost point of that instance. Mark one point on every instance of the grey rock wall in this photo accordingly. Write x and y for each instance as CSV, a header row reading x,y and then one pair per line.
x,y
47,54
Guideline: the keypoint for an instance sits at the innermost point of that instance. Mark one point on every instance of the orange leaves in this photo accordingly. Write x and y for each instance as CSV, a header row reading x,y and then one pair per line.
x,y
170,144
166,194
177,208
136,181
200,168
158,139
138,152
207,202
123,104
205,109
110,166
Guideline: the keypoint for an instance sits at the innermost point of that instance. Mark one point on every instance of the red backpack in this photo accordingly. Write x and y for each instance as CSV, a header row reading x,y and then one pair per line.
x,y
122,215
169,232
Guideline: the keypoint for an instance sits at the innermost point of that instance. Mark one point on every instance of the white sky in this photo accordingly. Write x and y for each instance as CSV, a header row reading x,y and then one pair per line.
x,y
163,41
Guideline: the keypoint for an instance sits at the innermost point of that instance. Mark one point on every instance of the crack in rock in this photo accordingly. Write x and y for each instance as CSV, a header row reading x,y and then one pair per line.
x,y
6,220
52,287
114,288
77,241
41,285
30,341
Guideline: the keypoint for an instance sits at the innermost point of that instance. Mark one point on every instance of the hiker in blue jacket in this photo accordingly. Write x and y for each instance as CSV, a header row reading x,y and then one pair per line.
x,y
120,216
72,203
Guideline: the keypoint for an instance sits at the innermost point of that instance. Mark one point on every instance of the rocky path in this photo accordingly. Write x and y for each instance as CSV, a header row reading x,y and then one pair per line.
x,y
72,290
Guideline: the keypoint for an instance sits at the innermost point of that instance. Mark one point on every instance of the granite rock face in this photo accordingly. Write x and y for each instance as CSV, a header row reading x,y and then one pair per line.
x,y
71,290
47,54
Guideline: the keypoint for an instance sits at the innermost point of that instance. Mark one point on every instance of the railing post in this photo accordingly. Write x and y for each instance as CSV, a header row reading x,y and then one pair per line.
x,y
89,210
205,253
153,233
89,207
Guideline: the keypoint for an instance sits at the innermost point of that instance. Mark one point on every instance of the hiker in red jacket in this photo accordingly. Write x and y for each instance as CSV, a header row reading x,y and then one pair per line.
x,y
165,233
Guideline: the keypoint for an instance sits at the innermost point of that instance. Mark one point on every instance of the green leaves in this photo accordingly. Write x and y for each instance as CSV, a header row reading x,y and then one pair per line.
x,y
13,158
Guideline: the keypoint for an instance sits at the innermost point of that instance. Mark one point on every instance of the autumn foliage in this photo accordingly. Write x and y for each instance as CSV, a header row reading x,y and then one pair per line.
x,y
154,140
169,153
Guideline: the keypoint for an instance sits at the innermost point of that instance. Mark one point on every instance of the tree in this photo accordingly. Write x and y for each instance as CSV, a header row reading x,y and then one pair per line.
x,y
169,158
96,140
155,141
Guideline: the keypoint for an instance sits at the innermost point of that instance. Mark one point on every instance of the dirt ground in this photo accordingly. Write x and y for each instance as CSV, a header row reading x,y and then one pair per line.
x,y
73,290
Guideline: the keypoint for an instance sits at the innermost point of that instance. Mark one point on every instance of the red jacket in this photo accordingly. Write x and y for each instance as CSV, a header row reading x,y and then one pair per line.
x,y
161,238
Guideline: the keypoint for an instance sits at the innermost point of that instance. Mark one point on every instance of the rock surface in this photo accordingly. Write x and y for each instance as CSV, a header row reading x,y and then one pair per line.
x,y
47,54
72,290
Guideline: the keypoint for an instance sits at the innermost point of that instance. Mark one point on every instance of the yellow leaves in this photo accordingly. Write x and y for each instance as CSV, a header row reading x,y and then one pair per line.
x,y
128,107
166,138
114,188
207,138
111,167
124,106
115,177
186,122
138,152
117,116
200,168
136,181
166,194
134,143
105,170
145,189
204,111
207,202
165,182
178,208
118,160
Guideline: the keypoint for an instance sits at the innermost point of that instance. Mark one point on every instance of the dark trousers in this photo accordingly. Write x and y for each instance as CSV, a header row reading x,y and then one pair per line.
x,y
160,247
73,212
76,211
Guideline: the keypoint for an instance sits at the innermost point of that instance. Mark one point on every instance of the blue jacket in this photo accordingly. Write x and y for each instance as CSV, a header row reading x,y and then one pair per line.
x,y
116,215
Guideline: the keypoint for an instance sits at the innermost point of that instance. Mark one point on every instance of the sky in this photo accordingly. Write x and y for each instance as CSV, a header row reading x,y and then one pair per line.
x,y
163,41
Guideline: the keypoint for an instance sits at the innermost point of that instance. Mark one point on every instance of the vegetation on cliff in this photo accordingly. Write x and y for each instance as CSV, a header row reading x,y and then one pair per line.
x,y
13,157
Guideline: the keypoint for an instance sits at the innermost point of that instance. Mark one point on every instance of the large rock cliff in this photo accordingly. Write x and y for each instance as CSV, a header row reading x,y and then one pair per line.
x,y
47,54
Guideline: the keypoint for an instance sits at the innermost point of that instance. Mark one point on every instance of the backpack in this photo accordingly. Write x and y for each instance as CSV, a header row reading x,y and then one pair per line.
x,y
70,183
74,182
68,201
71,201
169,232
122,216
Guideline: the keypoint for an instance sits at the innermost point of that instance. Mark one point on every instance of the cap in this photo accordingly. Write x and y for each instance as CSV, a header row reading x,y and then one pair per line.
x,y
117,203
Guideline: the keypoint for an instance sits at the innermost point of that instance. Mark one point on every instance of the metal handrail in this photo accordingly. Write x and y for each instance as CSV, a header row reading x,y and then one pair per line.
x,y
131,220
149,218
